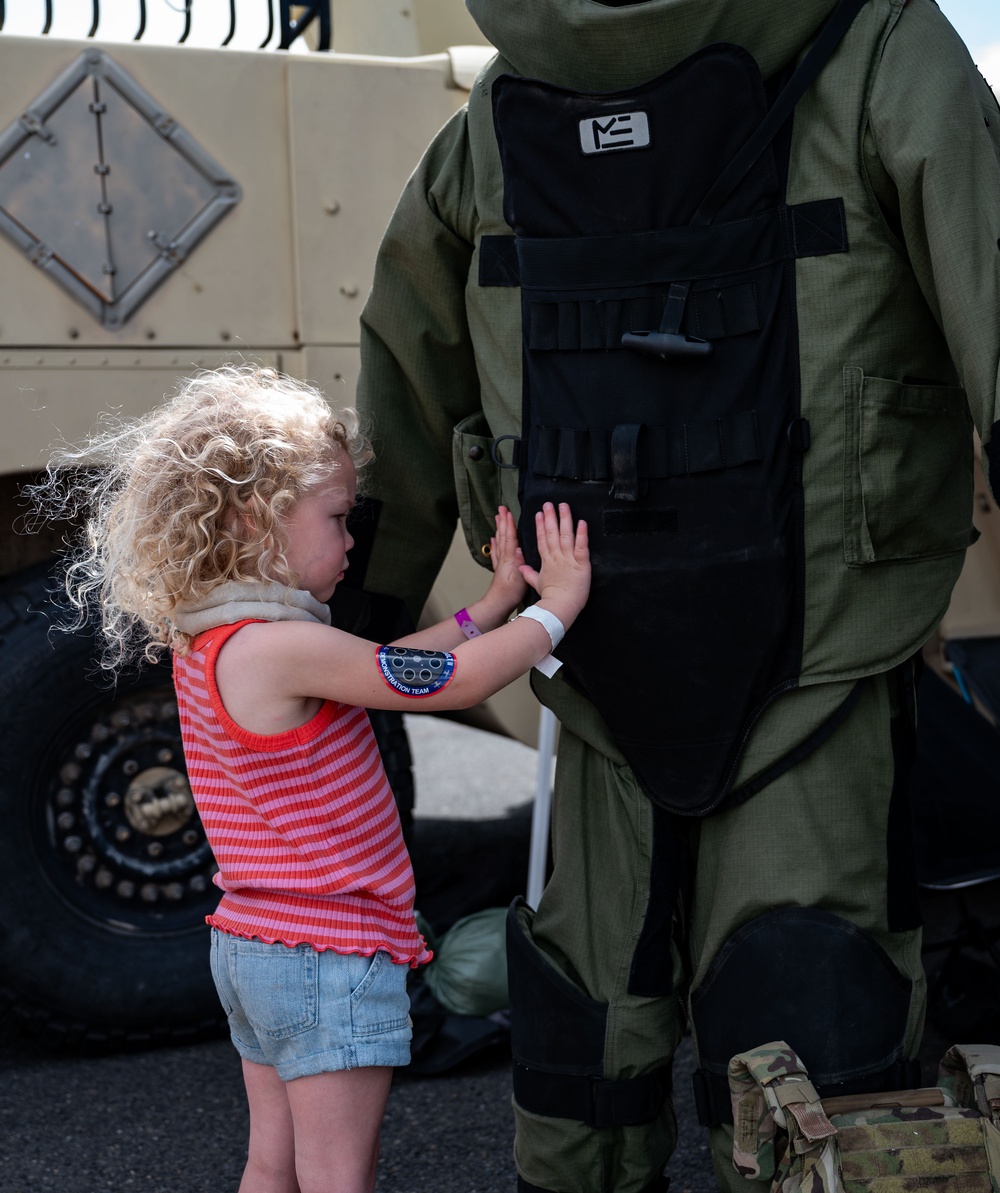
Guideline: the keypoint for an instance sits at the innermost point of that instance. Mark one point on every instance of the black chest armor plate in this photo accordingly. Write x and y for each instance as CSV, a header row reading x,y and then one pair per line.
x,y
661,397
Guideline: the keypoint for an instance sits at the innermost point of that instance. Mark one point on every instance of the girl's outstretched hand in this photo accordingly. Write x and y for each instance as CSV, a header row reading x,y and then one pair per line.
x,y
563,581
508,586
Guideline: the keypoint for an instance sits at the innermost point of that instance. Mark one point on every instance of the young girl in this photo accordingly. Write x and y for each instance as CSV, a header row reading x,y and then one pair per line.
x,y
216,528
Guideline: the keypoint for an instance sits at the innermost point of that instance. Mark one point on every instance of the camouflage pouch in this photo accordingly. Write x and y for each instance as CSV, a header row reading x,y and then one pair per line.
x,y
939,1140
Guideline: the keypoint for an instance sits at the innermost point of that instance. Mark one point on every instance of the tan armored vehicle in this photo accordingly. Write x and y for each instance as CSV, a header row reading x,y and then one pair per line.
x,y
164,208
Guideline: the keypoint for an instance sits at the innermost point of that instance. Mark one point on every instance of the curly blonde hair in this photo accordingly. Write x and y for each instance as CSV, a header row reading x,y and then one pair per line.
x,y
188,497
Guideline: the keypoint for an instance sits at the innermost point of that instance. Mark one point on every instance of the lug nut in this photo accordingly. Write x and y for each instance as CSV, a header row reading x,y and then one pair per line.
x,y
70,773
72,844
198,884
130,767
65,820
126,889
154,849
112,799
190,837
122,833
103,879
65,797
82,751
150,892
174,891
86,864
165,756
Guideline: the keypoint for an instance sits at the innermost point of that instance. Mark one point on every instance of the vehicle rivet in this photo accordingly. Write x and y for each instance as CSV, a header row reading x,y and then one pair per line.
x,y
225,335
122,833
331,207
198,883
126,889
65,797
154,849
349,290
112,799
165,756
130,766
103,879
150,892
65,820
174,891
150,334
74,333
72,844
190,837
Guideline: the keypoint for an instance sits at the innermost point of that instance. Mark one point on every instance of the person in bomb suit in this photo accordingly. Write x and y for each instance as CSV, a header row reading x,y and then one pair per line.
x,y
757,381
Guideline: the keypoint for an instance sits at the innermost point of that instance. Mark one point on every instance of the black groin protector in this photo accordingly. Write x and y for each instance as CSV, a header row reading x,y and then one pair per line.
x,y
816,980
686,466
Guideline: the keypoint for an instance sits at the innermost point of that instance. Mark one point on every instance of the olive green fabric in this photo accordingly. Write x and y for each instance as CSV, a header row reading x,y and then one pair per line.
x,y
891,332
815,837
899,353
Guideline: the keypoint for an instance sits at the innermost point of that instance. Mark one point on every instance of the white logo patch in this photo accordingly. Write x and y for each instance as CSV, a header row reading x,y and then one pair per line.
x,y
601,134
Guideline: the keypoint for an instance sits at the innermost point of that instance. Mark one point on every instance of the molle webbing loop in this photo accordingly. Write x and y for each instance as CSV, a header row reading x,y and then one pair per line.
x,y
588,454
715,311
784,233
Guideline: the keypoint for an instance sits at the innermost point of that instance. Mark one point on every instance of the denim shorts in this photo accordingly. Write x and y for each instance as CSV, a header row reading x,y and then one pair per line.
x,y
305,1012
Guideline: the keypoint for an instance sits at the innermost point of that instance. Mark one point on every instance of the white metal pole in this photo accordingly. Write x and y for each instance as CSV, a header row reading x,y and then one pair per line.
x,y
541,812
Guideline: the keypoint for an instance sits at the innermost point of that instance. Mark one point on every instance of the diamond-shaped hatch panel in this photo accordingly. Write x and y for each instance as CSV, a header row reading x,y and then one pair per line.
x,y
104,190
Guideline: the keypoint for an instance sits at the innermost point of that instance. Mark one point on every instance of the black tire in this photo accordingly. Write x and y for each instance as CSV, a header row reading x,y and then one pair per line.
x,y
105,873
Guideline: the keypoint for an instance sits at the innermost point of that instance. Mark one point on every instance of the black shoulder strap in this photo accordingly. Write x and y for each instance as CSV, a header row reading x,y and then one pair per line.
x,y
821,51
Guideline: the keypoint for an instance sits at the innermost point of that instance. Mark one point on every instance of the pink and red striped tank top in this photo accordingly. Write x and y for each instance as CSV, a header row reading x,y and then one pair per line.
x,y
303,824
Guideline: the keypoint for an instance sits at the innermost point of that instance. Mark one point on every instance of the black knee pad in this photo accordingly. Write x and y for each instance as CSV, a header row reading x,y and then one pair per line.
x,y
557,1039
815,980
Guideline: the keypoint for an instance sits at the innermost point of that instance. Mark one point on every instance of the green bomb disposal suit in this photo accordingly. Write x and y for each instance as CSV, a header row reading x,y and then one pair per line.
x,y
760,393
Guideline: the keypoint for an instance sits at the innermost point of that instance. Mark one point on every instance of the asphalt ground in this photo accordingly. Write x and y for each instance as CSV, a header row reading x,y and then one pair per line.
x,y
174,1120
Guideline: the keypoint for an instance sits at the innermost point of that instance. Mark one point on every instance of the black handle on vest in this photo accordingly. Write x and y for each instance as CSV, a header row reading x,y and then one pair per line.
x,y
663,344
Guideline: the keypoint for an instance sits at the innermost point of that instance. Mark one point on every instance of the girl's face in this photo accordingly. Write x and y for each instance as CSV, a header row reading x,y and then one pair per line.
x,y
316,535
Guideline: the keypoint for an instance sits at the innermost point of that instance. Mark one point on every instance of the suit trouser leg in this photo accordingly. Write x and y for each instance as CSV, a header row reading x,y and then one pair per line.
x,y
829,833
589,922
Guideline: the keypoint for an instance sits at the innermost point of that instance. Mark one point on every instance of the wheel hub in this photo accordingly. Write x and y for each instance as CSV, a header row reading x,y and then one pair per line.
x,y
124,840
158,801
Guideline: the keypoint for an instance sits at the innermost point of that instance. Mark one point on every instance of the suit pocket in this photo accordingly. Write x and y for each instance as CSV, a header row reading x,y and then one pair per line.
x,y
477,483
908,476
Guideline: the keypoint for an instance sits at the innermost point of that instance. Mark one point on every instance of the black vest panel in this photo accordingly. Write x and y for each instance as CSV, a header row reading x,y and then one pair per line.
x,y
661,400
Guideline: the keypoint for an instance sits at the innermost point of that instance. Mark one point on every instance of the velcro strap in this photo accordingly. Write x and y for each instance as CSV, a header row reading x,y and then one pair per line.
x,y
568,453
498,261
596,1101
625,462
791,1092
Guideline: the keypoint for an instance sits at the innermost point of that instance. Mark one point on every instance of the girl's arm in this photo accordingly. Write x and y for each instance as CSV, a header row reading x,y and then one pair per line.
x,y
506,591
267,670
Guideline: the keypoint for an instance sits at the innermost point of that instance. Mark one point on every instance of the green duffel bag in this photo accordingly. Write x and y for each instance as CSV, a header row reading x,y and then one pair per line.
x,y
945,1139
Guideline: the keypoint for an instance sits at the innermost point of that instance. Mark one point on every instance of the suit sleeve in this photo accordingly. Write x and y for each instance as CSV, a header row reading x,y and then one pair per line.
x,y
932,150
418,373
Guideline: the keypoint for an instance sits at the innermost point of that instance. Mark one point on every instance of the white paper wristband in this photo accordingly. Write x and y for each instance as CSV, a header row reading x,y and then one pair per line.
x,y
555,628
